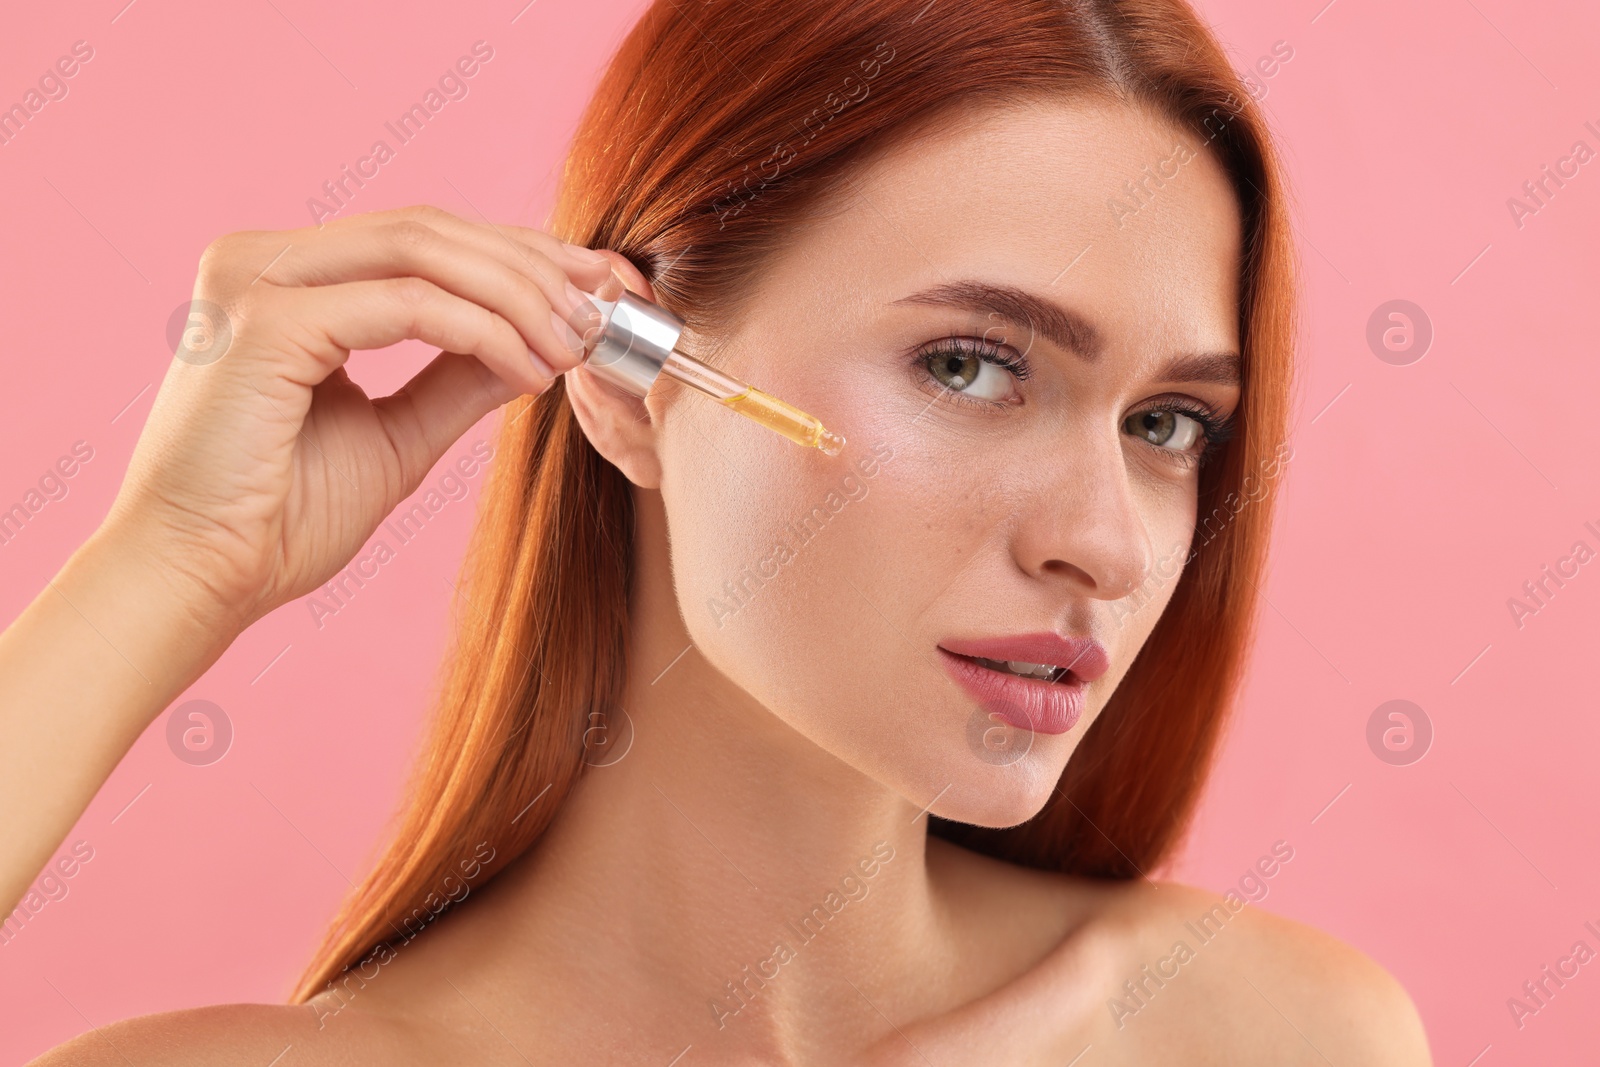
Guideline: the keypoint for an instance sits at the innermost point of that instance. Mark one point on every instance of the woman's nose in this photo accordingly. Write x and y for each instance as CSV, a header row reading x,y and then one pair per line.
x,y
1083,525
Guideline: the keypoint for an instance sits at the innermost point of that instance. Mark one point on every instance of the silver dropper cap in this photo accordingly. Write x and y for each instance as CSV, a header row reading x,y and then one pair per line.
x,y
635,339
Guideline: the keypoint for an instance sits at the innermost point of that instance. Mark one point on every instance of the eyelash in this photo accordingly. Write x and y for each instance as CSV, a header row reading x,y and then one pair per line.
x,y
1216,428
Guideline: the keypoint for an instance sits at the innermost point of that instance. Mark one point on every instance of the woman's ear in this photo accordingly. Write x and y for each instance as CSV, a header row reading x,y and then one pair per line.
x,y
617,424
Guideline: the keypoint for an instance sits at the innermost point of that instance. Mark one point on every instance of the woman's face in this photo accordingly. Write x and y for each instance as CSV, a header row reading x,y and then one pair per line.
x,y
1022,325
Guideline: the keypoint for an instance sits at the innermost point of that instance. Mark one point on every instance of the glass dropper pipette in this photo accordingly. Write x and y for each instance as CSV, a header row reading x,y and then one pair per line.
x,y
636,343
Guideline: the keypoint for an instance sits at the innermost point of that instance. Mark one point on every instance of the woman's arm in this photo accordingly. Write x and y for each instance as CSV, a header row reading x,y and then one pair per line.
x,y
108,643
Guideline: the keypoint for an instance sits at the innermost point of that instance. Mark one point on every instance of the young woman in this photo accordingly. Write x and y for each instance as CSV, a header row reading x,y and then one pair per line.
x,y
746,753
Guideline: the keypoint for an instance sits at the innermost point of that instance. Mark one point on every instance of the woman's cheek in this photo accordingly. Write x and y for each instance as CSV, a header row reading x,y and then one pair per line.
x,y
786,571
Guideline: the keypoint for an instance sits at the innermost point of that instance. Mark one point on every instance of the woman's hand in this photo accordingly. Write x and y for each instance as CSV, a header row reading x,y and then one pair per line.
x,y
263,468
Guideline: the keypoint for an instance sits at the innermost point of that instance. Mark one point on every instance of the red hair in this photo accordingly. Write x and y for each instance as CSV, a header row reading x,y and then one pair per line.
x,y
714,131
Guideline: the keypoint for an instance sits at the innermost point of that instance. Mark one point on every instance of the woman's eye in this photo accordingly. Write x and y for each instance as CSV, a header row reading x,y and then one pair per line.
x,y
970,374
1166,429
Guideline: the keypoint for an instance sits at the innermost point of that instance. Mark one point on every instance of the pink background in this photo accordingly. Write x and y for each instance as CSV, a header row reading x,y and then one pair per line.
x,y
1415,504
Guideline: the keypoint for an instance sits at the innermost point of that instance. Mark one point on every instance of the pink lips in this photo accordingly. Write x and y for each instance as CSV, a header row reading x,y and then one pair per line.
x,y
1028,703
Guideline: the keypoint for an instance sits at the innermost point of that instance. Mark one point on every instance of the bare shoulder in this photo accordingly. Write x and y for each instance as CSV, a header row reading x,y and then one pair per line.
x,y
1249,985
243,1035
1158,972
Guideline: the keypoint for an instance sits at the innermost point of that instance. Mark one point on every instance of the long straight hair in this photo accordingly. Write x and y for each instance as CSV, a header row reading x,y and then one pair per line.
x,y
716,128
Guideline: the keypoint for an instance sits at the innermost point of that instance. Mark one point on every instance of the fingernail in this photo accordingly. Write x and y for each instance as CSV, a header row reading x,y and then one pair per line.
x,y
540,366
566,334
588,255
585,316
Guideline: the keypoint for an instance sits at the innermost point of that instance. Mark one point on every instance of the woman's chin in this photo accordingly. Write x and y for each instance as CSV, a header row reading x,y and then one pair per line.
x,y
998,801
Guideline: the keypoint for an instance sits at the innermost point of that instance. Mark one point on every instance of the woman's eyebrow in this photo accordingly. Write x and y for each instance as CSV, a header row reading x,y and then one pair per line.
x,y
1066,328
1222,368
